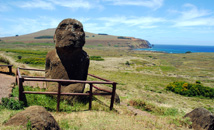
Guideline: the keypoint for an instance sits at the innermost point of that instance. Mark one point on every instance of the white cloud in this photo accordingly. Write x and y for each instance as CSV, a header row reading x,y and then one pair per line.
x,y
155,4
51,4
193,12
131,21
22,26
121,25
73,3
192,16
196,22
36,4
76,4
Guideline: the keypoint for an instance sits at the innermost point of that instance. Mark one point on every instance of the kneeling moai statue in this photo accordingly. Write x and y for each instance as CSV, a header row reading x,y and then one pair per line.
x,y
68,60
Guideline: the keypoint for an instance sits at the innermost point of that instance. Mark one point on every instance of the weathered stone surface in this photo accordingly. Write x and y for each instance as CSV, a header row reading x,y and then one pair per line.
x,y
40,119
201,119
68,60
116,99
69,34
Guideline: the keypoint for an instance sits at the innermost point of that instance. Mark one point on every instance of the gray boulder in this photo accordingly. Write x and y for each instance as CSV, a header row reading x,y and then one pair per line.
x,y
201,119
39,118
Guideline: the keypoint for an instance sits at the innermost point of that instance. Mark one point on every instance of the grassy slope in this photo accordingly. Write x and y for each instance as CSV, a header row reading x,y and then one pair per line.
x,y
144,79
92,40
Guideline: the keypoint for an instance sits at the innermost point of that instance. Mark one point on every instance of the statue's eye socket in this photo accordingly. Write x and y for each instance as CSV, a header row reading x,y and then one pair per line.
x,y
63,25
76,26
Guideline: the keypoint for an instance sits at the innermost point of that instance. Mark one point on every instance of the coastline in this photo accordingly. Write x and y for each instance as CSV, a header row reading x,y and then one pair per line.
x,y
179,49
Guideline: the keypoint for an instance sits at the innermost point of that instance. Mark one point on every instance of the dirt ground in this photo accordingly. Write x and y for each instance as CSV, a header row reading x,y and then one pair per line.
x,y
5,83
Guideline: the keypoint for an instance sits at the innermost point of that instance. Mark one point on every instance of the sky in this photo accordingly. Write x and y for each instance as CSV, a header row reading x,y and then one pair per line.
x,y
174,22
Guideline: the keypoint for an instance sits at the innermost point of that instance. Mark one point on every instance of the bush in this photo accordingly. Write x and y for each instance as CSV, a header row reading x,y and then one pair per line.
x,y
190,90
188,52
97,58
11,103
4,60
19,57
127,63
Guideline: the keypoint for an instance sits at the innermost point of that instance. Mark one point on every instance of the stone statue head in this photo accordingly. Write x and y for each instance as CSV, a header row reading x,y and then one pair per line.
x,y
69,34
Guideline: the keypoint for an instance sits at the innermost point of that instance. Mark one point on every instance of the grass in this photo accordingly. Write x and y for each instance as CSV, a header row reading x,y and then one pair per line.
x,y
4,60
146,106
97,58
49,102
143,81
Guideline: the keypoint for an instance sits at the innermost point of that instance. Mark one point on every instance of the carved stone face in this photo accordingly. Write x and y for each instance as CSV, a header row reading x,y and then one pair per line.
x,y
69,34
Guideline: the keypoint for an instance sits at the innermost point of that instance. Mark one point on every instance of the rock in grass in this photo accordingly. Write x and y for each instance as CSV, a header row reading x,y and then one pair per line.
x,y
35,117
201,119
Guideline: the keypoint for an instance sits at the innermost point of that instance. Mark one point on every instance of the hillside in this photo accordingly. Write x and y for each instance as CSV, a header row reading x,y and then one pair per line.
x,y
92,40
142,78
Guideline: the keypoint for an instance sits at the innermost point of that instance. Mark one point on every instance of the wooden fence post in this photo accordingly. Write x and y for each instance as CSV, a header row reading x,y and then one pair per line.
x,y
58,96
10,69
90,96
21,89
16,76
113,95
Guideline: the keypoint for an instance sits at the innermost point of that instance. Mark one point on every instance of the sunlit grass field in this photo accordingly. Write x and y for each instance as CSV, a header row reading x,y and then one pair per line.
x,y
142,78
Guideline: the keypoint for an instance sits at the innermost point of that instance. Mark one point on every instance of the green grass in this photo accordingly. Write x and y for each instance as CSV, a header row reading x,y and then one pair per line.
x,y
146,106
97,58
144,79
4,60
29,52
34,61
167,68
27,44
49,102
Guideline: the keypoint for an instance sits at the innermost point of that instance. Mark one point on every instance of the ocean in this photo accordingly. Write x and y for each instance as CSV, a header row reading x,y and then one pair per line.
x,y
179,48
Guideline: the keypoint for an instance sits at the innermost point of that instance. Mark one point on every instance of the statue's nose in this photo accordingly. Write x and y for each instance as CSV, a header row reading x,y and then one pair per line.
x,y
70,28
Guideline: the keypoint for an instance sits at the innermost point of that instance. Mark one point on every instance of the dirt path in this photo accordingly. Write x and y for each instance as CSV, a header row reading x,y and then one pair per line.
x,y
5,83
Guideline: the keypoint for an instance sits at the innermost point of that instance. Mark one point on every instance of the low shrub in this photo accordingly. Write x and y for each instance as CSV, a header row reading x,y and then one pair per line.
x,y
12,104
127,63
190,90
97,58
19,57
4,60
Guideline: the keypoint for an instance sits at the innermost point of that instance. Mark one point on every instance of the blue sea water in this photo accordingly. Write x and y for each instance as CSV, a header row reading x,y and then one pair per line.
x,y
178,48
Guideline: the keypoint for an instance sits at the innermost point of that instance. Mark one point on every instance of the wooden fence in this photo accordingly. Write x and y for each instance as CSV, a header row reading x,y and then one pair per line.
x,y
9,67
20,79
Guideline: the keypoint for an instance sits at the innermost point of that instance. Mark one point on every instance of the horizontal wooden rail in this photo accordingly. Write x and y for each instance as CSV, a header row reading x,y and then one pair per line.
x,y
99,78
66,81
71,94
102,89
31,69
